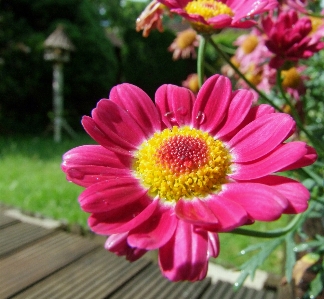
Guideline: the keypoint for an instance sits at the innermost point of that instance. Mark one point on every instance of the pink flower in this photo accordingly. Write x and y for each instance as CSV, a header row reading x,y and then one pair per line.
x,y
211,15
150,18
192,82
184,45
169,176
290,38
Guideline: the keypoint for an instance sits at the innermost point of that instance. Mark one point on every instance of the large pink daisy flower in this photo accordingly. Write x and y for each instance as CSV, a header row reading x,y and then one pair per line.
x,y
208,15
171,175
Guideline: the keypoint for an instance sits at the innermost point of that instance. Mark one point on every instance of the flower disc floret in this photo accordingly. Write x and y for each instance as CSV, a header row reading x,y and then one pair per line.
x,y
182,163
208,8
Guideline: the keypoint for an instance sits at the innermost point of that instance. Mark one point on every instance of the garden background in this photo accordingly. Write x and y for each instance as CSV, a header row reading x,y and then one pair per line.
x,y
108,51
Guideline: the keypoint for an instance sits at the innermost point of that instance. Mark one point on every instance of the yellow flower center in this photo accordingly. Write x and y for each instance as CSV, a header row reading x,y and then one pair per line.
x,y
249,44
193,83
182,163
186,38
316,23
207,9
291,78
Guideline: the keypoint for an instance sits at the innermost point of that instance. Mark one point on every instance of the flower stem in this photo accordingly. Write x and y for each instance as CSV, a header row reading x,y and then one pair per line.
x,y
201,60
273,233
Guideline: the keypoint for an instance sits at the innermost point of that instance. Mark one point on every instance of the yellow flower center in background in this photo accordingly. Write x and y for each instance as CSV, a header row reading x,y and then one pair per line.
x,y
291,78
249,44
182,163
207,9
186,38
316,23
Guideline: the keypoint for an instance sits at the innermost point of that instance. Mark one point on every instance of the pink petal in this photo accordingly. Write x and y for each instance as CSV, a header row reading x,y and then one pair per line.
x,y
139,105
296,194
220,21
108,195
229,213
195,211
261,136
174,104
212,102
254,113
113,127
184,257
116,122
213,245
122,219
116,145
214,213
261,202
237,111
279,159
118,245
90,164
309,158
155,231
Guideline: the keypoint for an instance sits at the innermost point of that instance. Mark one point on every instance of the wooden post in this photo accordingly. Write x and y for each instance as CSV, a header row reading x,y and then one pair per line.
x,y
58,100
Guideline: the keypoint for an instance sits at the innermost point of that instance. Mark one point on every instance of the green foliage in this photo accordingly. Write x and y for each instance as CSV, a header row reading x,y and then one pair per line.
x,y
148,64
31,178
26,79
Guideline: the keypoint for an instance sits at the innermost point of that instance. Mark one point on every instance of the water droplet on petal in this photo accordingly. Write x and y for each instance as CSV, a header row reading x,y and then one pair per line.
x,y
75,174
171,117
182,110
200,117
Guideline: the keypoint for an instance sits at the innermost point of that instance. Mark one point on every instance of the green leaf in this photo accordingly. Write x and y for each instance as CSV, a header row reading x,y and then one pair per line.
x,y
317,285
250,266
290,256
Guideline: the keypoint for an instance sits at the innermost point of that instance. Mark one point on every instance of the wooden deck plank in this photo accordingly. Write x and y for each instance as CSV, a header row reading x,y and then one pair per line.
x,y
151,284
41,263
133,287
96,275
18,235
26,267
5,221
192,290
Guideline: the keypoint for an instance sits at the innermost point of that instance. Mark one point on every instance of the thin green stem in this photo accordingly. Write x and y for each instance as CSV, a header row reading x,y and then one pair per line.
x,y
201,60
270,234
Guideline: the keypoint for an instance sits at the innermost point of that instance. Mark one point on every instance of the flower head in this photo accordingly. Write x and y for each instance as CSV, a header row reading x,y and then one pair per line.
x,y
211,15
184,44
192,82
173,174
150,18
290,38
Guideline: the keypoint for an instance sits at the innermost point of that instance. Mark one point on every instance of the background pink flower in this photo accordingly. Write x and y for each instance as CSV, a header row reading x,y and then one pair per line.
x,y
169,176
208,15
290,38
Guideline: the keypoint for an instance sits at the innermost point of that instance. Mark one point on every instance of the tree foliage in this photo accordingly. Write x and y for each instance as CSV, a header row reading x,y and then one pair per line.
x,y
26,79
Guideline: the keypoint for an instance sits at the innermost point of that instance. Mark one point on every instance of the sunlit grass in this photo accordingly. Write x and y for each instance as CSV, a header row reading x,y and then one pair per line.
x,y
31,177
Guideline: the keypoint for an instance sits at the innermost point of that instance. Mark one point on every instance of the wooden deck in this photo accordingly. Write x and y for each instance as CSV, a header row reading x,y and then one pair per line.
x,y
36,262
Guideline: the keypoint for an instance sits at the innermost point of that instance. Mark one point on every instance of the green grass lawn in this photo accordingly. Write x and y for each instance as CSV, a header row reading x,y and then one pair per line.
x,y
31,179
